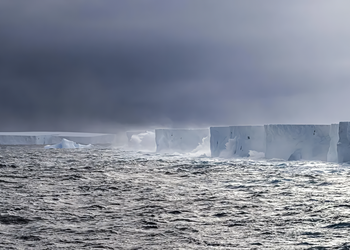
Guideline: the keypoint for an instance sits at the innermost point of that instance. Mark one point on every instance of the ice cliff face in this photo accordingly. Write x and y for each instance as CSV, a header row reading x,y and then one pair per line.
x,y
343,146
247,138
219,136
236,140
42,138
25,138
179,140
296,142
332,155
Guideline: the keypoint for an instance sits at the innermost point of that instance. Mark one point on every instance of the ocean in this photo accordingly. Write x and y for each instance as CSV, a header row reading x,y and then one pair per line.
x,y
110,198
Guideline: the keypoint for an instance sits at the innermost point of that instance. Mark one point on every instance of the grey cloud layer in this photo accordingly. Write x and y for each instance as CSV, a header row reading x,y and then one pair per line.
x,y
64,63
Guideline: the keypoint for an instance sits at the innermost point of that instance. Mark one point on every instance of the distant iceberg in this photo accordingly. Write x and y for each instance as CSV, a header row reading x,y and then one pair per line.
x,y
68,144
44,138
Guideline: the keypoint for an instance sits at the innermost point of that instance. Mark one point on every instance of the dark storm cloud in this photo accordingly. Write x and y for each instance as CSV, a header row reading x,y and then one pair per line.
x,y
64,64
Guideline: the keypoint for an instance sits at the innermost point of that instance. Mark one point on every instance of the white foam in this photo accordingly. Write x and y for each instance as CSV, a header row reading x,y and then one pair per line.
x,y
203,149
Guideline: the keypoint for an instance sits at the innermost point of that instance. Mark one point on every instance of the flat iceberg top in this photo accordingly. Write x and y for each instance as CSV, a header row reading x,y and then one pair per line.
x,y
68,144
182,129
33,133
27,133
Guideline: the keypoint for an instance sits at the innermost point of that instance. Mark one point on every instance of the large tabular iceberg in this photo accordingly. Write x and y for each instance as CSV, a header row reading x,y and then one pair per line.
x,y
295,142
68,144
179,140
25,138
42,138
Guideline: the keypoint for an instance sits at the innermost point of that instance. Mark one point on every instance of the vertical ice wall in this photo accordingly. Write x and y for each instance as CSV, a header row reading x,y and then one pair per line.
x,y
41,138
332,155
295,142
179,140
247,138
343,146
25,138
236,140
219,136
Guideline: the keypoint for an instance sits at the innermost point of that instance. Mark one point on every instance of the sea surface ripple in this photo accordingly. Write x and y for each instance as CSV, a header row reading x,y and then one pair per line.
x,y
107,198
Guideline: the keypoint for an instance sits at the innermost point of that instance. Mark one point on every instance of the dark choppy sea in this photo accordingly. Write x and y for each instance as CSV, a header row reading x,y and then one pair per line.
x,y
107,198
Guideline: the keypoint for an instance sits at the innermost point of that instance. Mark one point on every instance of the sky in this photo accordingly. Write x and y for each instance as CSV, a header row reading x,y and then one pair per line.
x,y
89,65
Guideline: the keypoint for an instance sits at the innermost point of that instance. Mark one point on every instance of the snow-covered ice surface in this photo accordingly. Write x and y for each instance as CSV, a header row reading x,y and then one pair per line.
x,y
295,142
108,198
179,140
68,144
42,138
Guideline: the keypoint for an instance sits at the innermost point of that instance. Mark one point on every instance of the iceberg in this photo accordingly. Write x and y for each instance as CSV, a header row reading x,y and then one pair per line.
x,y
332,155
343,147
25,138
296,142
219,136
247,138
68,144
179,140
238,141
42,138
